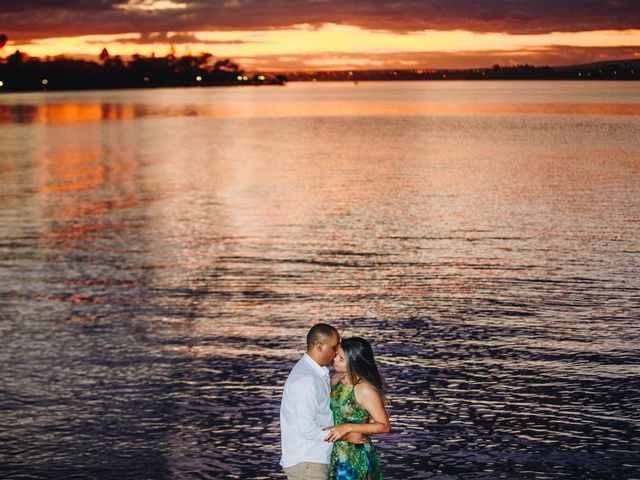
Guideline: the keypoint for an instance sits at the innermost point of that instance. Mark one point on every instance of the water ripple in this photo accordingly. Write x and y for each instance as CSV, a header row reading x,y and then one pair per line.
x,y
158,274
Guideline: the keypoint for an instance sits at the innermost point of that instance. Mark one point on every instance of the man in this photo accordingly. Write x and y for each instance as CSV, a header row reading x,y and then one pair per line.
x,y
305,409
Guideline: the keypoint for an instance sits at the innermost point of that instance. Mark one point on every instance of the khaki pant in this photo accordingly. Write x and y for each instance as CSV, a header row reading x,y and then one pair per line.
x,y
307,471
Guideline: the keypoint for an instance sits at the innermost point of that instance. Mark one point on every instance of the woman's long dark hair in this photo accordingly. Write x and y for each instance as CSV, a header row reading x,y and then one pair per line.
x,y
361,366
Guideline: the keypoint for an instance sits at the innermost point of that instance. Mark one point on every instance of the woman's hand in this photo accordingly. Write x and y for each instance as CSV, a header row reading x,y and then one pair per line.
x,y
337,432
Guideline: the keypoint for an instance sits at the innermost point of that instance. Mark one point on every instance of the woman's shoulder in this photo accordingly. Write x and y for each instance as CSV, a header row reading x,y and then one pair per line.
x,y
365,393
365,388
336,378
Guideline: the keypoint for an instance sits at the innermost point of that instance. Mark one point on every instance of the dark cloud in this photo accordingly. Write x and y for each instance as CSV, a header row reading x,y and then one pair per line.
x,y
555,55
26,19
163,38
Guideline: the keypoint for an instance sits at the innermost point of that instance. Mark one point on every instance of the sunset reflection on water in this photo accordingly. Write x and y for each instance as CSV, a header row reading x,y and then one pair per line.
x,y
56,114
164,253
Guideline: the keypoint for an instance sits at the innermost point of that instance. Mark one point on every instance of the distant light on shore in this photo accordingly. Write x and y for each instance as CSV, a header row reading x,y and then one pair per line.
x,y
45,81
198,78
1,83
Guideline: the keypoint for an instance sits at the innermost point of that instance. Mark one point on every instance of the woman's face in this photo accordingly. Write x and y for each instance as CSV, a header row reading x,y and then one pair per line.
x,y
339,362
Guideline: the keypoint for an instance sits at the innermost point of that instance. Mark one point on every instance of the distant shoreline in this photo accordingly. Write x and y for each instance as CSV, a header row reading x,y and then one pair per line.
x,y
618,70
19,73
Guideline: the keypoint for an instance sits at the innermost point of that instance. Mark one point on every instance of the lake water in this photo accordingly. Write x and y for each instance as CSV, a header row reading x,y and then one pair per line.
x,y
163,253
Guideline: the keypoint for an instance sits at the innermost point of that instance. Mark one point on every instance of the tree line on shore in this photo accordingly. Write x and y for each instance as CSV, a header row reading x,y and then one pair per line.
x,y
19,72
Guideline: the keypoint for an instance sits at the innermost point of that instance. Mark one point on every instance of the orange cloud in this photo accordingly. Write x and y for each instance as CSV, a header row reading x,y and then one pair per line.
x,y
339,46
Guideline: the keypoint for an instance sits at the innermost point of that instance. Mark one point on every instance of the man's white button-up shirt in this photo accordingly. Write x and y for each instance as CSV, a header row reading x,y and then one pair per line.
x,y
304,412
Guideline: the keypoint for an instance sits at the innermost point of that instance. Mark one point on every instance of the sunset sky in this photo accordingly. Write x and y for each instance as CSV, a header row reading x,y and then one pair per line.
x,y
331,34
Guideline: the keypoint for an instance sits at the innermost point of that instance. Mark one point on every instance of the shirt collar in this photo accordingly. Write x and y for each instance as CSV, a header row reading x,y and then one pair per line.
x,y
322,371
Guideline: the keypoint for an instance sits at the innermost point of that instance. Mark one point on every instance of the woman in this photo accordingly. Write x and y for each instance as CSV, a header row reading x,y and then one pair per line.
x,y
358,405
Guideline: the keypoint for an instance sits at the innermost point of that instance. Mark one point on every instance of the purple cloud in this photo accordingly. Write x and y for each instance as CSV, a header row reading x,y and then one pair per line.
x,y
30,19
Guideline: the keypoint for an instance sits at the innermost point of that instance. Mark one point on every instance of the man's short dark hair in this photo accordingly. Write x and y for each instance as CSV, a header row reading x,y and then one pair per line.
x,y
319,333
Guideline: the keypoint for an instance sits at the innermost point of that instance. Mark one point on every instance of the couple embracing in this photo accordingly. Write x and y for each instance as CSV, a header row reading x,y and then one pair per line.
x,y
326,421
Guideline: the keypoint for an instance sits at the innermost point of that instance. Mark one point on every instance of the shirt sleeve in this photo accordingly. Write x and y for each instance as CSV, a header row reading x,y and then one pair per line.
x,y
306,407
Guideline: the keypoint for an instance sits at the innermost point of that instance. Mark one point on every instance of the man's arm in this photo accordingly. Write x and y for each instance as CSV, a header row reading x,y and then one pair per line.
x,y
306,405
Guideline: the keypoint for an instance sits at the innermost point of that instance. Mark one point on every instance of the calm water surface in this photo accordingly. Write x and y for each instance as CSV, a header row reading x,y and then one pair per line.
x,y
163,253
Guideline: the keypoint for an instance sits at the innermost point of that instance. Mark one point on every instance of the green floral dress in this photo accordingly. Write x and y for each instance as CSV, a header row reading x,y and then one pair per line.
x,y
348,460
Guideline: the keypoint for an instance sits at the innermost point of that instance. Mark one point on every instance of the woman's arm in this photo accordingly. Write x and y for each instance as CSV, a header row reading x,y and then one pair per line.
x,y
371,400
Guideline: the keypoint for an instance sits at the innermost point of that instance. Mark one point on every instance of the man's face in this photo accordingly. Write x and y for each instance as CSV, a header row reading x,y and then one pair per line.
x,y
328,350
